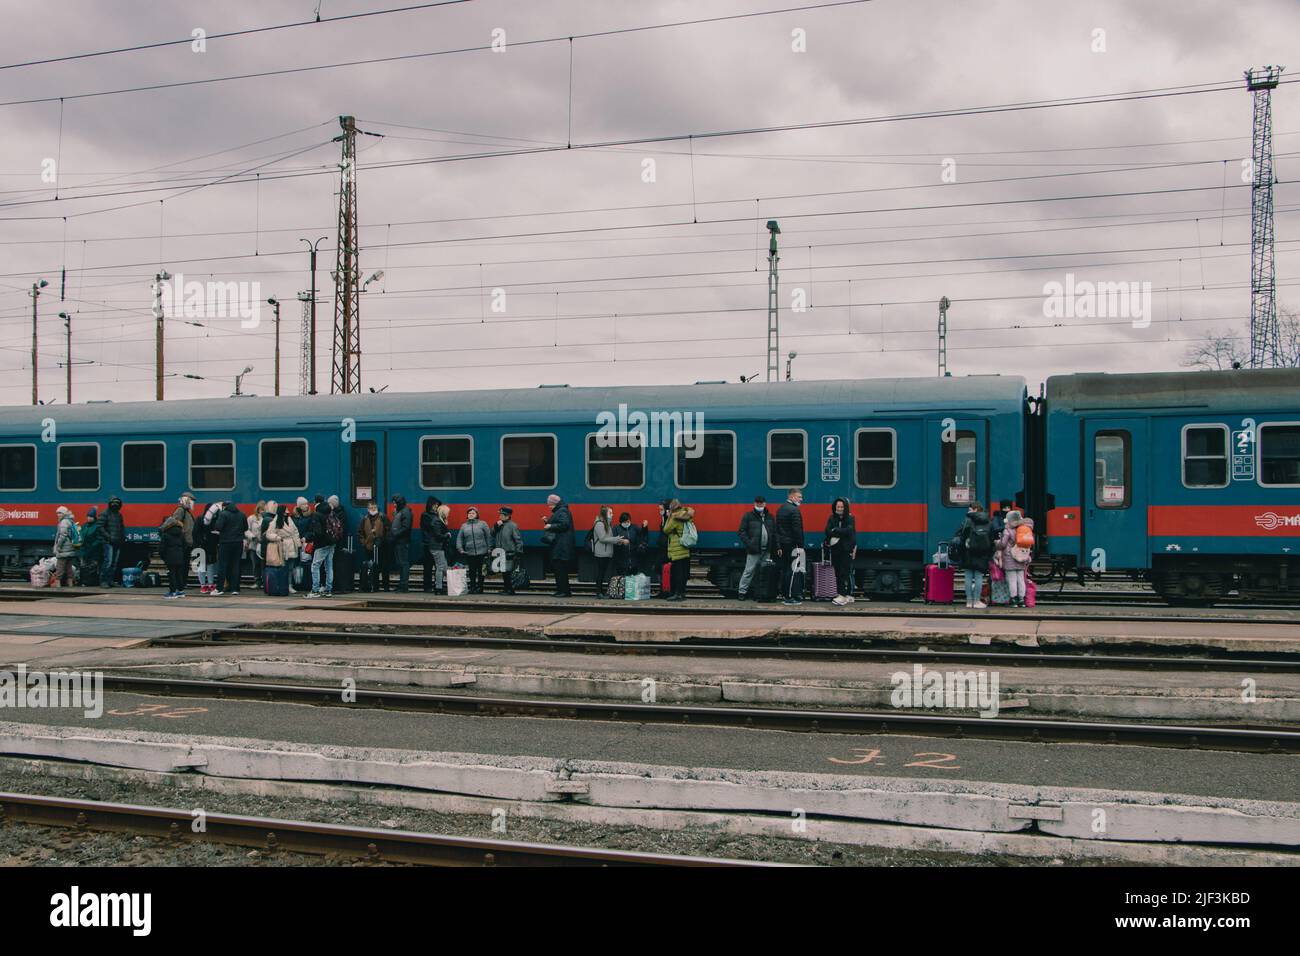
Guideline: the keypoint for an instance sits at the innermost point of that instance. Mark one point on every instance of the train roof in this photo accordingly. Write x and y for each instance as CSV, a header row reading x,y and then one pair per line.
x,y
1231,390
548,404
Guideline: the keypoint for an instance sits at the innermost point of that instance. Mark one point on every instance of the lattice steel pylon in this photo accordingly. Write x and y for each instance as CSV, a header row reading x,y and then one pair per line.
x,y
1264,336
304,348
345,375
773,306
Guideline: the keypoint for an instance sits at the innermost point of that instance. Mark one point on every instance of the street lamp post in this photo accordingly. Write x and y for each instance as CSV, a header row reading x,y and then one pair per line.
x,y
313,246
36,293
789,360
158,315
67,323
275,304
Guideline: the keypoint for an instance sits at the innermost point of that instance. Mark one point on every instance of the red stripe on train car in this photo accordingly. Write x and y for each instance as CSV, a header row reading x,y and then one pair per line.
x,y
1223,521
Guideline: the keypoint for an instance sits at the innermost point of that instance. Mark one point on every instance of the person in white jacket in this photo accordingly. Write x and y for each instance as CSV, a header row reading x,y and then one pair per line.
x,y
602,547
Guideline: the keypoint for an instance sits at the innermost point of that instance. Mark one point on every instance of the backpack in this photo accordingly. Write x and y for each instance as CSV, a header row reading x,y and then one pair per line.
x,y
690,537
979,542
334,527
75,533
1024,536
589,542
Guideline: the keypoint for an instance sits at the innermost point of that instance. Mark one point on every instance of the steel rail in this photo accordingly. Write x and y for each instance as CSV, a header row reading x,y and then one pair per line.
x,y
298,836
1039,730
842,652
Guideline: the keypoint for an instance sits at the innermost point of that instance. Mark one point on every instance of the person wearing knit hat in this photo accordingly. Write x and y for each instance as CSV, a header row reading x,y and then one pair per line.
x,y
66,542
557,535
92,548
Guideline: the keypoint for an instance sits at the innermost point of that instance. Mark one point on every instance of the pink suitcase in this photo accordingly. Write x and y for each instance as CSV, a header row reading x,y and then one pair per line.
x,y
825,586
1031,591
939,584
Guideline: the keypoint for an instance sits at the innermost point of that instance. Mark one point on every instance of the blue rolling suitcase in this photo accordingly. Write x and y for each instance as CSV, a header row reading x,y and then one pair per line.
x,y
276,581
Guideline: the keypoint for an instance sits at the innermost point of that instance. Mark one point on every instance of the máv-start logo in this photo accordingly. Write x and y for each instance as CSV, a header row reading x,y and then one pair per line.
x,y
1271,520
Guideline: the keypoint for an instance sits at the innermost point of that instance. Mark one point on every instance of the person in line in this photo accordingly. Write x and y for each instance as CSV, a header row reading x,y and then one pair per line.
x,y
659,553
322,552
400,532
114,539
557,535
433,539
758,535
300,576
66,542
679,515
177,533
998,520
602,547
474,541
842,546
976,538
92,548
205,538
1015,561
508,539
629,545
373,530
282,542
789,539
253,540
337,509
230,526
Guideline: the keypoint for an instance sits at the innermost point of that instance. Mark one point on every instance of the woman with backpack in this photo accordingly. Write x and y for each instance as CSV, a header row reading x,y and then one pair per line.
x,y
602,547
205,538
67,540
1017,547
433,535
680,534
474,541
842,546
977,549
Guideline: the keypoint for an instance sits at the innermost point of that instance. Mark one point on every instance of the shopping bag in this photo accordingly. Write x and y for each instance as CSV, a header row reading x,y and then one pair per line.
x,y
457,581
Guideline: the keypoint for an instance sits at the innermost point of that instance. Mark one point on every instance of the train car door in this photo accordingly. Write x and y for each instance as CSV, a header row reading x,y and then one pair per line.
x,y
367,463
957,451
1114,496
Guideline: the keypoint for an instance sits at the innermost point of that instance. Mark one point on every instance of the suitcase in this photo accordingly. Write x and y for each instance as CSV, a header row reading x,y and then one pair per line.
x,y
825,587
666,579
519,578
767,580
276,581
939,584
1031,591
301,575
90,575
616,588
345,570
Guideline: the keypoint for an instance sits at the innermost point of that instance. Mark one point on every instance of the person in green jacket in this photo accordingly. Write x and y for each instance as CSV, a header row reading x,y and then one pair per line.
x,y
678,517
92,547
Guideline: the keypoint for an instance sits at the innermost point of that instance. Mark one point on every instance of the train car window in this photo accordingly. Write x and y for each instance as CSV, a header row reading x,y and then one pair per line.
x,y
1279,455
447,462
1205,456
528,461
787,459
283,464
620,464
875,457
17,467
1112,469
212,465
707,461
365,472
960,470
79,467
144,466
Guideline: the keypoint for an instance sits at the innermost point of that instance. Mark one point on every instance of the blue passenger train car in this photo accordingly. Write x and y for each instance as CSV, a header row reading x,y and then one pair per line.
x,y
1190,479
910,454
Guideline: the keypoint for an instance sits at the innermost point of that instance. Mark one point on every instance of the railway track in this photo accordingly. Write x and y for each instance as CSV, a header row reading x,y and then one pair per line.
x,y
298,836
1038,730
843,649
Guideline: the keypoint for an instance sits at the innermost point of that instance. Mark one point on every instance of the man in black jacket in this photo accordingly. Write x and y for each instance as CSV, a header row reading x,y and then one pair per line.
x,y
401,535
558,532
758,535
114,533
789,539
230,526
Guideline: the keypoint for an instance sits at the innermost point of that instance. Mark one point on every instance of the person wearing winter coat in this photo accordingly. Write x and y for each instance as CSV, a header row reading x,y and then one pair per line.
x,y
92,547
253,543
474,541
508,539
230,526
205,538
789,540
177,535
1015,563
400,533
977,549
322,552
629,545
372,531
841,544
65,547
758,535
679,555
557,535
114,533
282,542
602,547
433,538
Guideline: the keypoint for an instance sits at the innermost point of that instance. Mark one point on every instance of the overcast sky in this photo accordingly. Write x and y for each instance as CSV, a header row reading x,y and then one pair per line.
x,y
665,281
